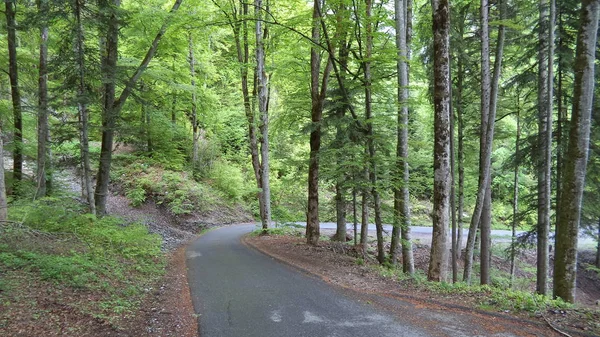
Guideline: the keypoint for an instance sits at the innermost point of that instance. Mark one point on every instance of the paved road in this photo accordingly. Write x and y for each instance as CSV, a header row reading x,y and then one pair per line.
x,y
499,235
239,292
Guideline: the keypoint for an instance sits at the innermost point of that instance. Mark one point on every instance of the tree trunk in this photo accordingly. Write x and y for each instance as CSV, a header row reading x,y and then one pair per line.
x,y
401,192
486,220
354,216
544,146
370,136
82,109
318,92
13,73
3,200
340,212
109,115
111,106
438,262
263,111
515,222
43,174
569,211
598,247
486,142
194,113
240,32
461,140
364,216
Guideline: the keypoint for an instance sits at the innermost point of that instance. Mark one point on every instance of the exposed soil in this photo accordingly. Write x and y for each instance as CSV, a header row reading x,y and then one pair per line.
x,y
336,263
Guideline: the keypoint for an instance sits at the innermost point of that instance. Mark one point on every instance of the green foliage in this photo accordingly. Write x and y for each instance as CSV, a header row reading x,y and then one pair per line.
x,y
498,299
60,244
228,178
285,230
177,190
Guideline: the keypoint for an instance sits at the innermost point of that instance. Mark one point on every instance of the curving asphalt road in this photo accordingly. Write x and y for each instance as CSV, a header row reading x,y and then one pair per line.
x,y
239,292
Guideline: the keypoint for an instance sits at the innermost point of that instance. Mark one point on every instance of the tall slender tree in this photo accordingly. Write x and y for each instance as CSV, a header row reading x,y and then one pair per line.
x,y
569,210
401,192
263,111
485,144
43,160
438,262
82,106
318,91
545,97
13,74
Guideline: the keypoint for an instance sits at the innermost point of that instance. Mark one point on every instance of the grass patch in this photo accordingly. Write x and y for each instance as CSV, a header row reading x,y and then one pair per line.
x,y
55,242
285,229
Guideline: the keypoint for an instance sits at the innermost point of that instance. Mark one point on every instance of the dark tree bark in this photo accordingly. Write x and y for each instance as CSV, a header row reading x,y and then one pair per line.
x,y
364,215
112,107
355,216
43,160
544,174
263,111
341,35
573,180
82,108
401,192
340,213
109,115
370,134
318,91
438,262
13,74
194,112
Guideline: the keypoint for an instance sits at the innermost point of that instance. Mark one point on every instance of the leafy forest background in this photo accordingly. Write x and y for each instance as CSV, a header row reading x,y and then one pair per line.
x,y
340,111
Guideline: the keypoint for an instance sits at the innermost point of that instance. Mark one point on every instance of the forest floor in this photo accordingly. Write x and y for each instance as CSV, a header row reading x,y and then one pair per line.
x,y
341,264
44,308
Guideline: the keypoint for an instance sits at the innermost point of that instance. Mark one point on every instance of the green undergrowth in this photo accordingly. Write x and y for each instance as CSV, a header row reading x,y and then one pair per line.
x,y
486,297
143,180
56,242
287,229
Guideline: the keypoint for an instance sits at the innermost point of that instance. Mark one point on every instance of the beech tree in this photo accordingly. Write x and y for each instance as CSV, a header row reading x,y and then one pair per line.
x,y
318,92
401,192
111,105
438,261
263,112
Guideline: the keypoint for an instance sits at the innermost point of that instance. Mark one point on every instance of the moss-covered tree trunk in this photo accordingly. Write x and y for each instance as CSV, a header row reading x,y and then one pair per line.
x,y
438,261
573,180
